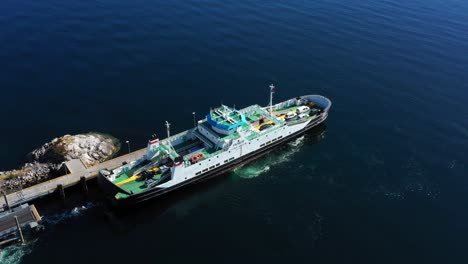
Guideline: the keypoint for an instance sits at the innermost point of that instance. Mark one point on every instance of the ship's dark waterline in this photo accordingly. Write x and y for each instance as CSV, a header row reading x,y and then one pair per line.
x,y
384,183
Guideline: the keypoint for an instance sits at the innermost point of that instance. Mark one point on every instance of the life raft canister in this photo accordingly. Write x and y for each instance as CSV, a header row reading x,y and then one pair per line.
x,y
196,158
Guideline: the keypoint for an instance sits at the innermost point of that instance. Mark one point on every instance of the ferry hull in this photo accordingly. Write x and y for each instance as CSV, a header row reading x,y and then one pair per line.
x,y
150,194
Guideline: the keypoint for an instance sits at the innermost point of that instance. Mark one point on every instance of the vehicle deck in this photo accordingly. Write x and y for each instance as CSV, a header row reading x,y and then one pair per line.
x,y
134,183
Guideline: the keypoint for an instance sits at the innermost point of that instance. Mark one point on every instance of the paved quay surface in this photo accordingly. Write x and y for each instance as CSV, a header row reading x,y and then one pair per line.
x,y
77,170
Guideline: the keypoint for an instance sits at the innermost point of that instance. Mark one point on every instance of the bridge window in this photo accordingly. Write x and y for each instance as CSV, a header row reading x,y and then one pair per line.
x,y
198,173
212,167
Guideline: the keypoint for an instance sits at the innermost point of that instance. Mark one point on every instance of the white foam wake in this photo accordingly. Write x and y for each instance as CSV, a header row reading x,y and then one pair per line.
x,y
13,254
57,218
270,160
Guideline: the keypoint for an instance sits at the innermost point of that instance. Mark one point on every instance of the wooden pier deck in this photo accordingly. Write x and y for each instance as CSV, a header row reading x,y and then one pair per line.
x,y
77,170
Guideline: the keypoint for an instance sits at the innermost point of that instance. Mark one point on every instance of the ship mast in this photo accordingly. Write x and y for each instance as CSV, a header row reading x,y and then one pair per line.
x,y
272,91
168,128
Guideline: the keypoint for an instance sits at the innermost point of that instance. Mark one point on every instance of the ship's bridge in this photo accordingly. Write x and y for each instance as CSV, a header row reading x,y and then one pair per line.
x,y
225,120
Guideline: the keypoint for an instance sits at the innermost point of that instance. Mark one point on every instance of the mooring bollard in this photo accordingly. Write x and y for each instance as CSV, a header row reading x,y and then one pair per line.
x,y
84,184
61,191
19,229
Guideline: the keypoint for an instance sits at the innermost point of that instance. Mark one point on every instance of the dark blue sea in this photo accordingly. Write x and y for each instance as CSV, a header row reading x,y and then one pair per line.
x,y
385,180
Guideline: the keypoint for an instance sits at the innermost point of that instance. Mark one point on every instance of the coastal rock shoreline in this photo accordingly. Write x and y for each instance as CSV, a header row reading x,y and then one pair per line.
x,y
47,161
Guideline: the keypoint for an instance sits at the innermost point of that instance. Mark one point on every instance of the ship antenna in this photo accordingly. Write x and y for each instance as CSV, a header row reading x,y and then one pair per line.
x,y
194,120
272,91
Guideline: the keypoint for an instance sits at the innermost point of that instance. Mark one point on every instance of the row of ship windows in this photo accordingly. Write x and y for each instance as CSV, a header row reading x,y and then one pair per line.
x,y
275,133
214,166
226,161
273,140
218,158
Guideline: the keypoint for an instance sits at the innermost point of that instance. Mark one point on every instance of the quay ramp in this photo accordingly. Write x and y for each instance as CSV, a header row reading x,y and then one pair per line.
x,y
11,222
77,171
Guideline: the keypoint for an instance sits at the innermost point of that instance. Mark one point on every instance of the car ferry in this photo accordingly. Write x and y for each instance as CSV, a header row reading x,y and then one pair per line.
x,y
225,139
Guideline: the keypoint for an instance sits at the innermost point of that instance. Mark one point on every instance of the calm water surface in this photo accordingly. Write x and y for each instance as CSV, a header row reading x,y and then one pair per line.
x,y
384,181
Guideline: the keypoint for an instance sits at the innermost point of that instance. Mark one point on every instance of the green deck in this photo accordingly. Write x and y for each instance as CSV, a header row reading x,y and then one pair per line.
x,y
137,185
167,150
256,115
225,116
285,110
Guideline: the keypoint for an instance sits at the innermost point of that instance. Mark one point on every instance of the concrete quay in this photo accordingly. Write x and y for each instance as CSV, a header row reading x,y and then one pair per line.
x,y
78,173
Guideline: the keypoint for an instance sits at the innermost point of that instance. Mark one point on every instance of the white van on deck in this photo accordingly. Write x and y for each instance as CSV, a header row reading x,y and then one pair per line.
x,y
290,115
302,109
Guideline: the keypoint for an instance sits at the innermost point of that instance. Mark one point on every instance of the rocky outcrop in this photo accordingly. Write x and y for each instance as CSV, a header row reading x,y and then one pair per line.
x,y
30,174
47,161
91,148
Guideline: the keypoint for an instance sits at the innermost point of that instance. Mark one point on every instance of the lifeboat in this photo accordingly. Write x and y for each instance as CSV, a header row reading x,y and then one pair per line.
x,y
196,158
